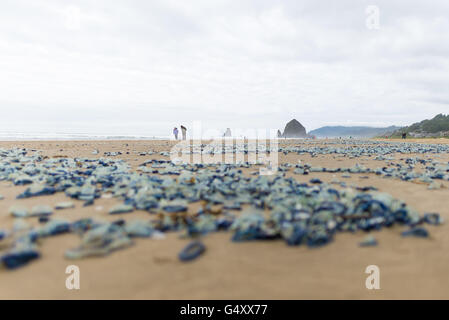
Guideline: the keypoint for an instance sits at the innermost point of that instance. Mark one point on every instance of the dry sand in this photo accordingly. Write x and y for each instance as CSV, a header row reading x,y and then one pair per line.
x,y
410,268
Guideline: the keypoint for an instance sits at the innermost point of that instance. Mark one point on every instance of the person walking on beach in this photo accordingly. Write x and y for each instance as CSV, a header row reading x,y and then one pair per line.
x,y
184,131
175,132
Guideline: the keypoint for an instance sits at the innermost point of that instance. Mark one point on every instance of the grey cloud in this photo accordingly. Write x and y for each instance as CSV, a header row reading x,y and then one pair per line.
x,y
256,63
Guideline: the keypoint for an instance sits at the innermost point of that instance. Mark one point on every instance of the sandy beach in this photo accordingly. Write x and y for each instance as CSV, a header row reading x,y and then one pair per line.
x,y
410,268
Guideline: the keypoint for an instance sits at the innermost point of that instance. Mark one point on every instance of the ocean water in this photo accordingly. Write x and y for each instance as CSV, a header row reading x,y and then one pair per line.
x,y
46,131
147,130
48,136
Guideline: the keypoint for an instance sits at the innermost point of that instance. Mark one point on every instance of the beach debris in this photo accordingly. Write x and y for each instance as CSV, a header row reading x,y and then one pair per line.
x,y
18,258
138,228
273,207
435,185
100,241
318,238
36,190
158,235
433,218
41,210
174,206
121,208
247,227
19,211
43,219
335,181
368,241
83,225
53,227
20,225
64,205
21,248
22,180
1,197
294,234
192,251
416,232
112,154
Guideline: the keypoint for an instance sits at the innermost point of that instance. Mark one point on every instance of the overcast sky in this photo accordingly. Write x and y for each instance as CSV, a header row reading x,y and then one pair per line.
x,y
140,67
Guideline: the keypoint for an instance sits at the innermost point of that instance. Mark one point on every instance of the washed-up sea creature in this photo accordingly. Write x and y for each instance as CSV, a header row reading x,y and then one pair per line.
x,y
18,258
435,185
368,241
43,219
294,234
432,218
138,228
21,250
83,225
192,251
274,207
54,227
416,232
22,212
41,210
19,211
20,225
36,190
100,241
64,205
121,208
174,206
318,239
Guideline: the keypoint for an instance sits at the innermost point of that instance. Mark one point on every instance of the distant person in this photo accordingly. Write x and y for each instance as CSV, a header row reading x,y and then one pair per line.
x,y
227,133
404,135
184,132
175,132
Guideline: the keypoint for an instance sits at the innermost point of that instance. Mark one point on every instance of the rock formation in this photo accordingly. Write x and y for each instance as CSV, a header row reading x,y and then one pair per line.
x,y
294,129
279,134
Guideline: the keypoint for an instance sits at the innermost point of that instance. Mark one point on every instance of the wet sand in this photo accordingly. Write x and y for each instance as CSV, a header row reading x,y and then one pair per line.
x,y
410,268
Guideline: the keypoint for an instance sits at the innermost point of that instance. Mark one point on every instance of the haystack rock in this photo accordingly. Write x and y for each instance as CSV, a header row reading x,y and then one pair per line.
x,y
294,129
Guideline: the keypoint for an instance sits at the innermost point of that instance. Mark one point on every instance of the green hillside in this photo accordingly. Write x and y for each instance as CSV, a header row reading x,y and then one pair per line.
x,y
437,126
355,132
